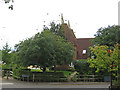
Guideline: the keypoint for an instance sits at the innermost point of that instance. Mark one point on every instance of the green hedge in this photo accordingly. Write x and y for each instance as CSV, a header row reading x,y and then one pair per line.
x,y
41,76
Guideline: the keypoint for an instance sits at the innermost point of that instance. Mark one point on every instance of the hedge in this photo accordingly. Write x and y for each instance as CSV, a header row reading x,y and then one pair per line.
x,y
40,76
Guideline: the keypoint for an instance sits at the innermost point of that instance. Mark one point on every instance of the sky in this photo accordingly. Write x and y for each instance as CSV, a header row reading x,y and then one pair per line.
x,y
28,17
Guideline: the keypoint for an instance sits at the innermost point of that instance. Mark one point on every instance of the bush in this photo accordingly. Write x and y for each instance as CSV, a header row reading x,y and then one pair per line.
x,y
82,67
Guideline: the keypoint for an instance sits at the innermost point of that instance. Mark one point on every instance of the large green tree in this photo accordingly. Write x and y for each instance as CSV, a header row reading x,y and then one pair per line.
x,y
45,49
107,36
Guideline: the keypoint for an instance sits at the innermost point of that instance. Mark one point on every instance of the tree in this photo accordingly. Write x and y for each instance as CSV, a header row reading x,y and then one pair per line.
x,y
107,36
14,59
56,29
45,49
6,54
116,56
53,27
9,57
106,59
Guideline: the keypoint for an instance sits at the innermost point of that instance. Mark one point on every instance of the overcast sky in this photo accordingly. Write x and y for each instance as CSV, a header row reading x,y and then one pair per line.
x,y
28,16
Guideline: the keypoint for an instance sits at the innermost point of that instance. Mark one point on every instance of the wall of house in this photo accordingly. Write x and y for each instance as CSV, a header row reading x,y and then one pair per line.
x,y
80,44
83,46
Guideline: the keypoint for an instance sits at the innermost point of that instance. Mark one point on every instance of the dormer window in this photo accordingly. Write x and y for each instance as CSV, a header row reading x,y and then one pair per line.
x,y
84,51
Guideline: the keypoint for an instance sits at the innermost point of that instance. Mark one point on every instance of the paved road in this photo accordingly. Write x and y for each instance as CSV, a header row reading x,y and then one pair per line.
x,y
12,83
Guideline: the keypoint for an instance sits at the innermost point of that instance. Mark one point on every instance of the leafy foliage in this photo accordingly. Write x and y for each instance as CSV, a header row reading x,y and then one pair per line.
x,y
45,49
82,67
55,28
104,58
6,54
9,57
14,59
107,36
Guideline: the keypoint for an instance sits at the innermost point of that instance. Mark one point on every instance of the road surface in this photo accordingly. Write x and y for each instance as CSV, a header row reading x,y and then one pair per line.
x,y
13,83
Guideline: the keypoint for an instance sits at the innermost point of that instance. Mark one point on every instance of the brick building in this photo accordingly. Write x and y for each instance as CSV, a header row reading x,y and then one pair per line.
x,y
81,44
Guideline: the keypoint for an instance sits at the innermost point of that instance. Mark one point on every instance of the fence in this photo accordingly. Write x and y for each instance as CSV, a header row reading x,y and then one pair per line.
x,y
88,78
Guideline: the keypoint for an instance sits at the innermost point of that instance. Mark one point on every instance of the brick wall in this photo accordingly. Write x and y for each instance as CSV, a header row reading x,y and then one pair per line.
x,y
80,44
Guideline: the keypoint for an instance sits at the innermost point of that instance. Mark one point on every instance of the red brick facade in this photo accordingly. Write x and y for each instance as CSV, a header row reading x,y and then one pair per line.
x,y
81,44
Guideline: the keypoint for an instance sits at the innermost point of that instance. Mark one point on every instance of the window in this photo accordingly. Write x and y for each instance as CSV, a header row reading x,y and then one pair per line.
x,y
84,51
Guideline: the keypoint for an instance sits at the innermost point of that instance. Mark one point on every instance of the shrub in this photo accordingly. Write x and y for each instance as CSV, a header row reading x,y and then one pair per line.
x,y
82,67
